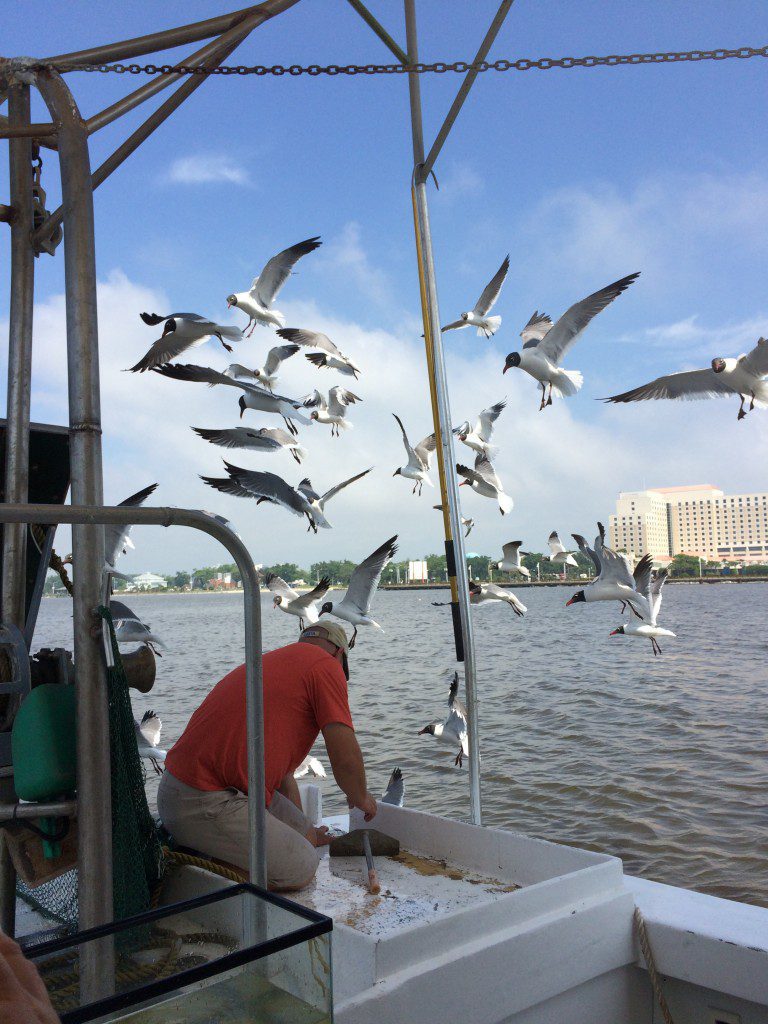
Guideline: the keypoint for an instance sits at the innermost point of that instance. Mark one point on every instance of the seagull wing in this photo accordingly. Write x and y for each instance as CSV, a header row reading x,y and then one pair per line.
x,y
492,289
393,794
116,538
239,437
278,586
469,474
642,575
536,329
424,450
570,325
690,385
163,350
756,361
270,486
205,375
306,488
228,486
277,271
342,396
153,319
150,728
484,468
366,576
455,326
340,487
316,594
510,550
616,567
309,338
657,584
408,450
240,371
277,355
555,544
486,419
315,401
585,549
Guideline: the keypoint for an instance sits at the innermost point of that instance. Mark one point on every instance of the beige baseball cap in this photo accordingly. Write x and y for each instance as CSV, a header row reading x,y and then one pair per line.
x,y
334,634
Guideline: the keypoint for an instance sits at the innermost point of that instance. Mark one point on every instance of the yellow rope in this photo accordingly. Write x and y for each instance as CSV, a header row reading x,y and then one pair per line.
x,y
645,946
177,857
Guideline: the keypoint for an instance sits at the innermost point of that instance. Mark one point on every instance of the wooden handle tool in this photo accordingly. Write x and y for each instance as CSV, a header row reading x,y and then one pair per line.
x,y
373,879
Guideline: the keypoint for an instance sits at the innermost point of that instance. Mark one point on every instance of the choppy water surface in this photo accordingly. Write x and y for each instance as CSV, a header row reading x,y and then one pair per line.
x,y
586,740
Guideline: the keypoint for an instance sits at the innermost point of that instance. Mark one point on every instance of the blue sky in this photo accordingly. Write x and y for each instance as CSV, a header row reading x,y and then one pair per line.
x,y
582,176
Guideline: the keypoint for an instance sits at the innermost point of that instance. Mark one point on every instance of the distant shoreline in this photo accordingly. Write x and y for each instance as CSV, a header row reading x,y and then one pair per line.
x,y
438,586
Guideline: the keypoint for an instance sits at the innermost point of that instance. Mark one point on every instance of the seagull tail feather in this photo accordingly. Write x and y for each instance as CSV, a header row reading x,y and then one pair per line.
x,y
492,324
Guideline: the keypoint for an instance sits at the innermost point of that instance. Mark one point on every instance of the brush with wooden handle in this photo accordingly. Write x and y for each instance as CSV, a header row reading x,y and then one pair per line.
x,y
373,879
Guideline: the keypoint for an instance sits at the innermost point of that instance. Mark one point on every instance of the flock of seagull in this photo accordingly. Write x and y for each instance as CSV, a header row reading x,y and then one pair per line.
x,y
545,344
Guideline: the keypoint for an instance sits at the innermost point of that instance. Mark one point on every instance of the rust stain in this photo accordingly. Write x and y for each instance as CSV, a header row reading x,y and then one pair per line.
x,y
426,866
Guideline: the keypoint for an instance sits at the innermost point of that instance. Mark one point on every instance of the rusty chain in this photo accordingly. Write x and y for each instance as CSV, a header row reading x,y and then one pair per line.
x,y
438,67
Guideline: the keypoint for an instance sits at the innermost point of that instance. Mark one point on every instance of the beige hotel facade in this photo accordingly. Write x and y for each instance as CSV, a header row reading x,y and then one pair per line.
x,y
698,520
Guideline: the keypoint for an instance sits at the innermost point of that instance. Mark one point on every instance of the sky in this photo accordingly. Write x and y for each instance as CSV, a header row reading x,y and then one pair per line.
x,y
582,176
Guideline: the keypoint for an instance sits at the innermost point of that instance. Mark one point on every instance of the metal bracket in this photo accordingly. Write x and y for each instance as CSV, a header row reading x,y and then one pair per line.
x,y
15,646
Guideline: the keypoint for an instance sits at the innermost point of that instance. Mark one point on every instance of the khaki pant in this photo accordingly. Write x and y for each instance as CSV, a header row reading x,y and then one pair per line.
x,y
216,823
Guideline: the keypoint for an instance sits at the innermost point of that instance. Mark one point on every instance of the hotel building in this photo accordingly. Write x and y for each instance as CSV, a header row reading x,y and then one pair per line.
x,y
699,520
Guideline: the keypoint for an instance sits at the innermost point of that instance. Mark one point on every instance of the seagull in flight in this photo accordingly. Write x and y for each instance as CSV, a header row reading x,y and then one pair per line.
x,y
252,397
419,459
257,301
288,600
511,560
313,765
557,553
545,346
129,629
615,579
246,483
355,606
148,737
745,376
452,731
180,332
329,358
482,593
478,317
117,538
334,410
263,439
318,501
650,586
484,480
479,436
267,374
466,521
395,790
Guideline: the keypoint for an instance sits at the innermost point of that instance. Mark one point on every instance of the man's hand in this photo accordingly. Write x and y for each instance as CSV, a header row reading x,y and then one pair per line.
x,y
319,836
368,806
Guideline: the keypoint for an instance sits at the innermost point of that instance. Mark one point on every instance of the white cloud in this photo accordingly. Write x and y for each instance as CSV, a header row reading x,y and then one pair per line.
x,y
690,335
345,256
563,467
204,168
460,180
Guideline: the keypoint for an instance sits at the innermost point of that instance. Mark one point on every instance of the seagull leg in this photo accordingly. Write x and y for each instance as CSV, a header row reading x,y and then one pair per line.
x,y
226,346
459,760
654,644
634,610
549,399
354,638
156,766
543,392
752,403
623,606
742,414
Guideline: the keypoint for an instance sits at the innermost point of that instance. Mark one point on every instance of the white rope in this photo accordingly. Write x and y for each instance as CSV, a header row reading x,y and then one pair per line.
x,y
645,946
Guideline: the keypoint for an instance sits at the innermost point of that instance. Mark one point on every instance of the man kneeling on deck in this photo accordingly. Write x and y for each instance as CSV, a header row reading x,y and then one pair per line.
x,y
202,798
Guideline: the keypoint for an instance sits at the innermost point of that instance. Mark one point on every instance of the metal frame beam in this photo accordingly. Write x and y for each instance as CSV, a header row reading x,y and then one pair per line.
x,y
379,30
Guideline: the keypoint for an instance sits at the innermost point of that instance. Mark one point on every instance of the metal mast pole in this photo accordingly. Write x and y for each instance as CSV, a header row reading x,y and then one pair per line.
x,y
94,856
17,428
454,538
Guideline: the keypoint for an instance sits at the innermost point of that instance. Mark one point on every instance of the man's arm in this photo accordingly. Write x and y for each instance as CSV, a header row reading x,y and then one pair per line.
x,y
290,789
347,766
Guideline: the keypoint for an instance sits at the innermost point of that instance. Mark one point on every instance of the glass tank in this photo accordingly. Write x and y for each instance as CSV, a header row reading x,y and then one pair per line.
x,y
238,955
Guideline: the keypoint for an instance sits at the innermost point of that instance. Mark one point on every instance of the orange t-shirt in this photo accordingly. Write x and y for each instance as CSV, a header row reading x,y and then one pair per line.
x,y
304,690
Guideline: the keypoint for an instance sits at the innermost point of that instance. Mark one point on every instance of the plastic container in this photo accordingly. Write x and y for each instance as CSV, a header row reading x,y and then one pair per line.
x,y
44,743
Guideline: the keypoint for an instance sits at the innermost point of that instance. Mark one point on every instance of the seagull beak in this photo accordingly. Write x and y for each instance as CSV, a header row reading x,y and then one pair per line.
x,y
242,410
614,632
568,603
229,304
464,483
505,370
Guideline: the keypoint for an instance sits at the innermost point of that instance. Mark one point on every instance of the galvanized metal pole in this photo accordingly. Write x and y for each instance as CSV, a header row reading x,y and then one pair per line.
x,y
14,583
94,855
443,420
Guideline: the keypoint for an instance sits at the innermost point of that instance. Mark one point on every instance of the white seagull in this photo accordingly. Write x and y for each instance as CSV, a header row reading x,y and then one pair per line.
x,y
453,731
334,411
615,579
395,790
545,347
129,629
557,553
117,538
182,331
257,301
147,739
267,374
355,606
252,397
245,483
745,376
313,765
479,436
418,459
263,439
511,560
330,357
318,501
484,480
466,521
651,590
288,600
482,593
478,317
